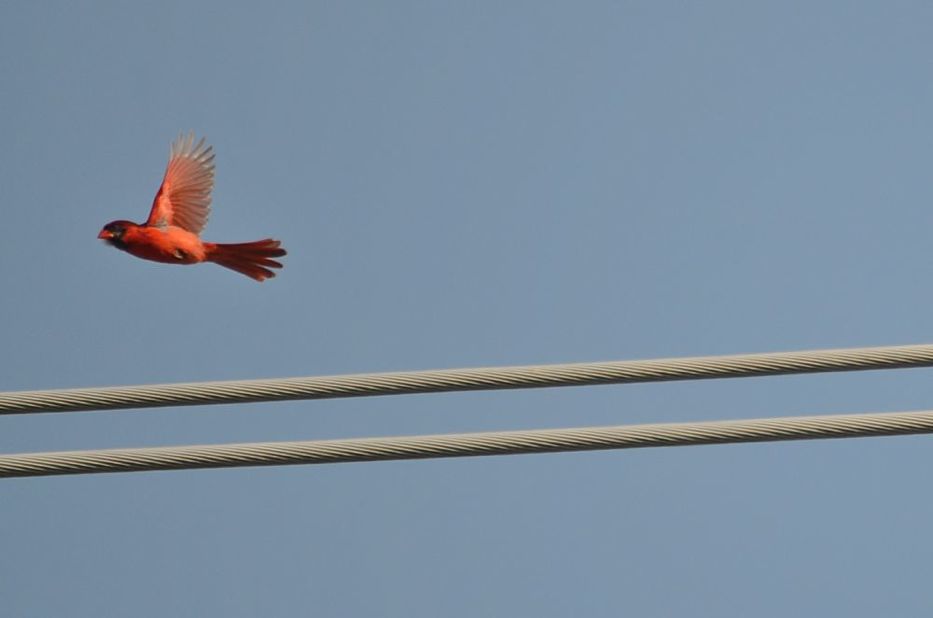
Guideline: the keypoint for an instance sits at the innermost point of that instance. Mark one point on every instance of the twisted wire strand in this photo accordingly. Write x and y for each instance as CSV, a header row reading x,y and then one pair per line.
x,y
466,444
532,376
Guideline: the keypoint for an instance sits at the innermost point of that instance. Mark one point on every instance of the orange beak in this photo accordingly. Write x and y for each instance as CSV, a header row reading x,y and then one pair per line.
x,y
105,235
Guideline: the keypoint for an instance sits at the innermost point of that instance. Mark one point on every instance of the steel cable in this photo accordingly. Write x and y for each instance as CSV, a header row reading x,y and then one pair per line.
x,y
465,445
533,376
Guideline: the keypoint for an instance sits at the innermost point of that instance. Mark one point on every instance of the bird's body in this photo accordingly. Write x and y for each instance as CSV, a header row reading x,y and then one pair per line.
x,y
179,213
169,244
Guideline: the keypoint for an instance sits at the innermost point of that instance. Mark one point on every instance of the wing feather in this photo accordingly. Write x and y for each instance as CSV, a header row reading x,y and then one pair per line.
x,y
184,199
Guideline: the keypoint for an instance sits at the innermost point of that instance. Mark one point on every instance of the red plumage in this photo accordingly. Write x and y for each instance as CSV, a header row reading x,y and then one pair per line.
x,y
179,212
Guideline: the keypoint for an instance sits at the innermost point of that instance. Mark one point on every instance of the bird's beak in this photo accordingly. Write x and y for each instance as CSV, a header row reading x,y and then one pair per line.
x,y
105,235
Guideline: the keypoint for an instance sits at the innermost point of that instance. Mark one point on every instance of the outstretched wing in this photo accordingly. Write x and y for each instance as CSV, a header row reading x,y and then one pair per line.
x,y
184,199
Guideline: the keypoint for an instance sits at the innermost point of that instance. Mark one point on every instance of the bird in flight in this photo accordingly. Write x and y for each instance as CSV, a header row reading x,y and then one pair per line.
x,y
179,212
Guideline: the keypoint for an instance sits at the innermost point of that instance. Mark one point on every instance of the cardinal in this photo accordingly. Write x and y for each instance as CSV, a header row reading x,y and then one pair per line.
x,y
179,212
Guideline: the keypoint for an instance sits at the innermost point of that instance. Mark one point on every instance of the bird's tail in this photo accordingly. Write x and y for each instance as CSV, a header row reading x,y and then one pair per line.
x,y
253,259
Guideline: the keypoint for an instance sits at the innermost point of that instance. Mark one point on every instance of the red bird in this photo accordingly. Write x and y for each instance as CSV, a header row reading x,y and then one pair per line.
x,y
179,213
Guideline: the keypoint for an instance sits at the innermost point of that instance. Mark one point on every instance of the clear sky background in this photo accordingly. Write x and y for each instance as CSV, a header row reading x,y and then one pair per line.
x,y
471,184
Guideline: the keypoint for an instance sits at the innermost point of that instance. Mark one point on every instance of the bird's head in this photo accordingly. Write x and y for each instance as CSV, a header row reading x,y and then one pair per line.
x,y
113,233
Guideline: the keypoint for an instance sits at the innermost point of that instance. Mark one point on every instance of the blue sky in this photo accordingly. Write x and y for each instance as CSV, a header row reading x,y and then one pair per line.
x,y
472,184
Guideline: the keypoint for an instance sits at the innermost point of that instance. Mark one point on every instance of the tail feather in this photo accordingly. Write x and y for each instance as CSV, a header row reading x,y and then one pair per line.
x,y
253,259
